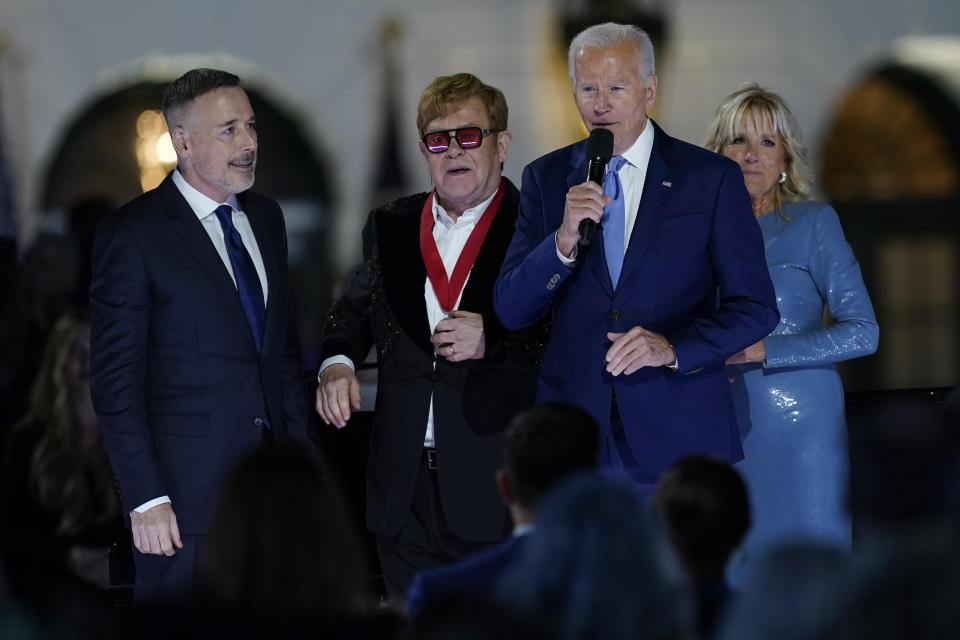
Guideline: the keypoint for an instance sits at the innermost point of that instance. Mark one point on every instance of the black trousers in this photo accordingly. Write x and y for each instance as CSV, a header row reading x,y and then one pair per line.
x,y
173,578
424,540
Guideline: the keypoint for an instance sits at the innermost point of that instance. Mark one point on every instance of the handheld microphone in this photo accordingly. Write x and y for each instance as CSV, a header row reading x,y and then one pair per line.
x,y
599,152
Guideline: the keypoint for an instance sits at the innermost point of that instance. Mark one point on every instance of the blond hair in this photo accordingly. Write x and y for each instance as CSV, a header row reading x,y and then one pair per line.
x,y
446,91
765,108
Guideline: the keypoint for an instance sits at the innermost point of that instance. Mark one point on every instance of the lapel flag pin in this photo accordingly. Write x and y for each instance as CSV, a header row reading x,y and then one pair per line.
x,y
667,183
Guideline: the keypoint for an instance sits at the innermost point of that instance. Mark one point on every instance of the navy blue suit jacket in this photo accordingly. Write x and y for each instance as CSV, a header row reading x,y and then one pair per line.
x,y
694,271
178,385
476,576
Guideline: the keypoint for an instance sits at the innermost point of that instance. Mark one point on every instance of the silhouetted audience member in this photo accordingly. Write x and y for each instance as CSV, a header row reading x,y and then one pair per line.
x,y
905,591
14,379
8,253
703,507
592,569
472,618
84,216
48,280
37,292
543,445
14,622
281,552
59,503
905,474
52,276
905,499
788,595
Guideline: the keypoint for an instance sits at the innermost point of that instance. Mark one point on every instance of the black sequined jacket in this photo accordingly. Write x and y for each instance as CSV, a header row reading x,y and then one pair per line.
x,y
473,400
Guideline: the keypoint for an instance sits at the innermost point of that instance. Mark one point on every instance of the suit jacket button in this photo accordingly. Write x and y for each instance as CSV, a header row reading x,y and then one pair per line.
x,y
615,314
258,421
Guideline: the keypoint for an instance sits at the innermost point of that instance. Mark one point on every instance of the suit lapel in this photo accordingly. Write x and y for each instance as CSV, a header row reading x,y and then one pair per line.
x,y
404,273
477,292
657,186
186,225
594,253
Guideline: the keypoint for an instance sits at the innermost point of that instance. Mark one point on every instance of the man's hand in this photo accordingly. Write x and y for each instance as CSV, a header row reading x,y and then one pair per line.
x,y
584,201
754,353
155,531
460,337
638,348
338,391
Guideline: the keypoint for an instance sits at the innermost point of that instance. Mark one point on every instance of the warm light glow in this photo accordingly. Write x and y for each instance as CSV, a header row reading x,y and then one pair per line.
x,y
164,147
155,153
150,124
147,152
151,177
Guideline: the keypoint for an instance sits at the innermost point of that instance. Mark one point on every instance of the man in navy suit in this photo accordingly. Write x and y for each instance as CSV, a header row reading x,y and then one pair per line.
x,y
674,282
194,355
544,445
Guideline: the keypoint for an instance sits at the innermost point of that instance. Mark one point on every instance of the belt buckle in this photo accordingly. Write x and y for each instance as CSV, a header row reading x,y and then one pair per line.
x,y
432,459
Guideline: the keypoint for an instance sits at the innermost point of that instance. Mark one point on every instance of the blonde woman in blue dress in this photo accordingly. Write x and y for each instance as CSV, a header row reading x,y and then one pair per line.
x,y
786,389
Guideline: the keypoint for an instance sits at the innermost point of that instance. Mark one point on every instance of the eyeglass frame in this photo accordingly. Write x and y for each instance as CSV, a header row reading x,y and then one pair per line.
x,y
483,134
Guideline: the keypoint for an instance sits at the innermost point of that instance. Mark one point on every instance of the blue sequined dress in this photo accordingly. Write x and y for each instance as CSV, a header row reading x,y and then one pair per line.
x,y
790,410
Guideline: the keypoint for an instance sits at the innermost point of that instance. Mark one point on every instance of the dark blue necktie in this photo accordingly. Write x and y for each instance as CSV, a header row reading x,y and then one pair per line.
x,y
613,219
248,282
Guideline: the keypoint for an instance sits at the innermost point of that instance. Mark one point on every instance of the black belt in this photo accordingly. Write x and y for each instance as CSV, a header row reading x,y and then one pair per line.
x,y
429,458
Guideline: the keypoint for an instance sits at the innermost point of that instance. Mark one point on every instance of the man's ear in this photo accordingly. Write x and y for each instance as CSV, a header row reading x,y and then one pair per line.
x,y
181,140
651,91
503,143
504,487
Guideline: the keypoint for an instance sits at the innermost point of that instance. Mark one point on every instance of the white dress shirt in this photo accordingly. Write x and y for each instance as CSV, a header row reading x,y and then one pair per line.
x,y
451,237
633,173
204,207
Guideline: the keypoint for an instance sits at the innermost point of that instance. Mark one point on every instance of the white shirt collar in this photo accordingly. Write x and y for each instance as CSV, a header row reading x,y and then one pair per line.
x,y
469,216
202,205
639,152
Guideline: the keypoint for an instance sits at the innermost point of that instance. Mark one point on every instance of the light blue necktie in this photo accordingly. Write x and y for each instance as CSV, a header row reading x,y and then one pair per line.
x,y
613,219
248,282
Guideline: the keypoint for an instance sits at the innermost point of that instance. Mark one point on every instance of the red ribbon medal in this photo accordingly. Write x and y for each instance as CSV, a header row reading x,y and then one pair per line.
x,y
449,290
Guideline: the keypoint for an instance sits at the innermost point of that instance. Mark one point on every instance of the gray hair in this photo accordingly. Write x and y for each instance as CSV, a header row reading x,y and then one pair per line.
x,y
607,35
764,107
192,85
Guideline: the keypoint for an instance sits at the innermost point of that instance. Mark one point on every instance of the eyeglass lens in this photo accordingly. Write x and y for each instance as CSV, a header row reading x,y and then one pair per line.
x,y
467,138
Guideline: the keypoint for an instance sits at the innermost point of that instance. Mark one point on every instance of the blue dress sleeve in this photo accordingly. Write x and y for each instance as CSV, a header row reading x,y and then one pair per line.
x,y
836,275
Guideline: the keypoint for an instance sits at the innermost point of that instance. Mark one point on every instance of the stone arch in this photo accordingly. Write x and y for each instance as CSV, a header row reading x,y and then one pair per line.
x,y
890,163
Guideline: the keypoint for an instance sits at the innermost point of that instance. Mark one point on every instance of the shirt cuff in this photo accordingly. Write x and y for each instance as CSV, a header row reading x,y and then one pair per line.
x,y
564,259
153,503
676,361
334,360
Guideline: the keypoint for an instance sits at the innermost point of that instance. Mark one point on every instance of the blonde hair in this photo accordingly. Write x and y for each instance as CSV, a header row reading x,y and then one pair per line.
x,y
446,91
76,486
765,107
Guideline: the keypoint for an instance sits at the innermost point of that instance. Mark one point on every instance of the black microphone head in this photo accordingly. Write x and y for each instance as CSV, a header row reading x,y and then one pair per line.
x,y
600,144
